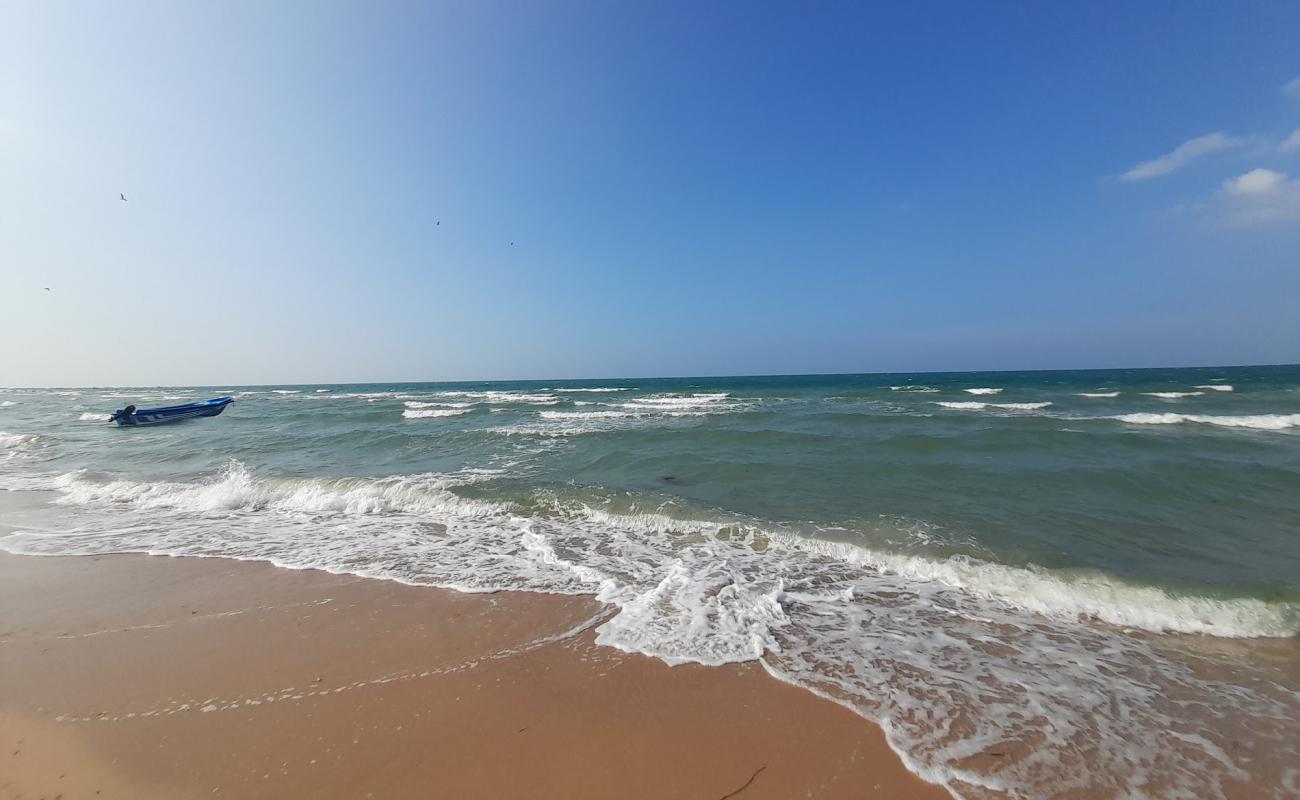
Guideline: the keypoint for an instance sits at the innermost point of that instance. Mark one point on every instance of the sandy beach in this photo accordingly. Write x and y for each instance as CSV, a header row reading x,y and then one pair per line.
x,y
140,677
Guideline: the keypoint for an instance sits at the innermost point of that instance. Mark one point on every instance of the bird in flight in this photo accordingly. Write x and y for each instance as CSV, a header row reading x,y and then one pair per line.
x,y
47,288
124,200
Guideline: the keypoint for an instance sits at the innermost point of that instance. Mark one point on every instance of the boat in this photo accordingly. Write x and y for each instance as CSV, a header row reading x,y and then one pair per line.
x,y
156,416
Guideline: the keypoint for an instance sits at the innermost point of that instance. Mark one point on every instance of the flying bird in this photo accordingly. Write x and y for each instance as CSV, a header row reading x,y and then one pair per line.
x,y
47,288
124,200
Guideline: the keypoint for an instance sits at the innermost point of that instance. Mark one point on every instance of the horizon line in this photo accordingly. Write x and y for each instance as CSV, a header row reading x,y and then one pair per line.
x,y
664,377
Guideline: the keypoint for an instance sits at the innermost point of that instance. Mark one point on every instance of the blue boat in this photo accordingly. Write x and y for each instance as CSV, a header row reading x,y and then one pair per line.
x,y
156,416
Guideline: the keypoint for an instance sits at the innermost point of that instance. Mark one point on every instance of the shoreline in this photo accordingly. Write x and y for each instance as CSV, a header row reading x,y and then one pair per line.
x,y
145,676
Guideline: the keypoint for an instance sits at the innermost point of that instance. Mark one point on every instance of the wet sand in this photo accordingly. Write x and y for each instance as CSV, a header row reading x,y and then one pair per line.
x,y
148,677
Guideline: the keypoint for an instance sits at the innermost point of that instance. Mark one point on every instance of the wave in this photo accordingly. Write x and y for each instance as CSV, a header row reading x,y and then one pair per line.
x,y
20,441
92,416
1172,395
1098,394
1262,422
505,398
984,390
1215,387
972,405
7,403
911,388
427,413
421,404
1074,596
601,389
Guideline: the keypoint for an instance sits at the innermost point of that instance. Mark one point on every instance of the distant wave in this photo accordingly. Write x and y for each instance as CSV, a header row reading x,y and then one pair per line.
x,y
426,413
601,389
1215,387
972,405
8,403
420,404
983,390
1172,395
505,398
1261,422
1099,394
911,388
92,416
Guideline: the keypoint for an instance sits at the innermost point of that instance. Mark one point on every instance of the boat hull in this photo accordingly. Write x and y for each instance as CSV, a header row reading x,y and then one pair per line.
x,y
159,416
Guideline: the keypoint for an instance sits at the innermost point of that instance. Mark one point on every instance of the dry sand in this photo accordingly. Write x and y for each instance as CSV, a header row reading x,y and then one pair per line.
x,y
144,677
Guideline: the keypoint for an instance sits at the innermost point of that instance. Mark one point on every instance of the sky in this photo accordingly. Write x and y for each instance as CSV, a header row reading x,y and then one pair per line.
x,y
330,192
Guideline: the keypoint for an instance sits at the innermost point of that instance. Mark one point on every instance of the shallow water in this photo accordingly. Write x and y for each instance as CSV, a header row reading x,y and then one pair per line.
x,y
1038,583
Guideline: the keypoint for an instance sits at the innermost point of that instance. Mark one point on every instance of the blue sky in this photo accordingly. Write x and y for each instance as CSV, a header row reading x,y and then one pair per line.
x,y
689,188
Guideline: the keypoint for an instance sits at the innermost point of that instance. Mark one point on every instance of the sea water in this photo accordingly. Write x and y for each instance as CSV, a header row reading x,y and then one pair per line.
x,y
1039,583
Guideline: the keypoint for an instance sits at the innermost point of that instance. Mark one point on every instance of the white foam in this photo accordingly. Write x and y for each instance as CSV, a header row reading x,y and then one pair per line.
x,y
427,413
1099,394
913,388
7,403
318,391
1173,395
1215,387
1262,422
983,390
92,416
286,391
978,406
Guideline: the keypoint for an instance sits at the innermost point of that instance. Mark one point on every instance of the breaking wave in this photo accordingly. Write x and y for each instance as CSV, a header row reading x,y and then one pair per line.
x,y
973,405
1261,422
428,413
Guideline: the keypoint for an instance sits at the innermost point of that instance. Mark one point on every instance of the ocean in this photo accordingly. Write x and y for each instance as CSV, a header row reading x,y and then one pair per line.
x,y
1040,584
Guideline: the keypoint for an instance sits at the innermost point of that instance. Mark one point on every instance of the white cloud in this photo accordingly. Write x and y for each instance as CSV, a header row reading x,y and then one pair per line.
x,y
1292,143
1182,155
1260,196
1293,88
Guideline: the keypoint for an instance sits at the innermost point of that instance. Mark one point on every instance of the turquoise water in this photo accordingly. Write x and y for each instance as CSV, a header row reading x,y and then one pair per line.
x,y
896,542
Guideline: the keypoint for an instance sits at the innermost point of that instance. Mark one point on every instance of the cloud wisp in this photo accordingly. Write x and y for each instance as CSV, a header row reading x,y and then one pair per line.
x,y
1182,155
1292,143
1259,197
1292,88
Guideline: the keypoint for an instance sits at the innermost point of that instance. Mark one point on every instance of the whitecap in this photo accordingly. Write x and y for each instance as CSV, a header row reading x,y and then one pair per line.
x,y
972,405
426,413
1261,422
983,390
1173,395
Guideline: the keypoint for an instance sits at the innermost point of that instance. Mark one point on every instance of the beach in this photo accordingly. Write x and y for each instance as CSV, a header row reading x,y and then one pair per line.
x,y
1076,584
150,677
